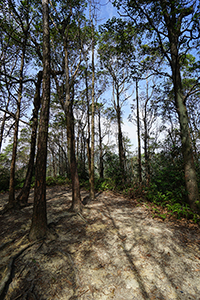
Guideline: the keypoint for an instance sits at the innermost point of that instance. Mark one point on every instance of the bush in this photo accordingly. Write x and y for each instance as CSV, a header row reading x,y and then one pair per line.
x,y
105,184
112,170
4,179
59,180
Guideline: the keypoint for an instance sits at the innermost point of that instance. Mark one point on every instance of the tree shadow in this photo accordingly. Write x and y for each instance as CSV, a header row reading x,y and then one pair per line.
x,y
150,247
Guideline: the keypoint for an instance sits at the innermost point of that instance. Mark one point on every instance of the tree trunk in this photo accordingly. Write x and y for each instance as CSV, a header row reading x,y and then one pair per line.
x,y
88,127
138,135
3,125
76,197
68,108
146,147
101,169
53,161
189,167
92,194
39,219
22,198
120,142
12,201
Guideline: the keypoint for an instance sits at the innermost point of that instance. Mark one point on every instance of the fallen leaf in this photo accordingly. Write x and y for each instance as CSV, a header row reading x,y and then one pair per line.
x,y
68,281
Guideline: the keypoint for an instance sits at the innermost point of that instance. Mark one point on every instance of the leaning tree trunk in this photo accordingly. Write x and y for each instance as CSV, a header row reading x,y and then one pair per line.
x,y
22,198
39,219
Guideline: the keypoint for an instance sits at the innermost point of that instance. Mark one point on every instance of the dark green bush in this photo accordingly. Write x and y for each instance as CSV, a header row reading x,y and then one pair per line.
x,y
4,179
58,180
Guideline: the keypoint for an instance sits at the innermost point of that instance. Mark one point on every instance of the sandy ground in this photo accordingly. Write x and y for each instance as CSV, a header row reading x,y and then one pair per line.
x,y
113,250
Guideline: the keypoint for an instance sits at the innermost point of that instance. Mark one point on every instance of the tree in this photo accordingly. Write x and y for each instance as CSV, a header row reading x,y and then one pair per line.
x,y
39,218
138,134
115,50
172,30
21,20
22,198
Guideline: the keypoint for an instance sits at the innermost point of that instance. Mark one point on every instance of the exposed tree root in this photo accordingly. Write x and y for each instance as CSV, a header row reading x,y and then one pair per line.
x,y
9,272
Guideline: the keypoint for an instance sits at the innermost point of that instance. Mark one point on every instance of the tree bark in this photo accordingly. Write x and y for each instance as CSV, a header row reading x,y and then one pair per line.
x,y
189,166
146,146
22,198
138,135
39,219
68,109
120,142
3,125
101,168
12,201
88,127
92,194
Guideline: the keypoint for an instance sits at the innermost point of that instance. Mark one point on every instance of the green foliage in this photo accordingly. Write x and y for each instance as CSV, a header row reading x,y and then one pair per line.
x,y
112,169
174,203
137,191
105,184
4,179
168,172
58,180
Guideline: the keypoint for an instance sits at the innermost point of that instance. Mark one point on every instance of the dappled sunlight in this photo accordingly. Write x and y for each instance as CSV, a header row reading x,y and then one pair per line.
x,y
112,250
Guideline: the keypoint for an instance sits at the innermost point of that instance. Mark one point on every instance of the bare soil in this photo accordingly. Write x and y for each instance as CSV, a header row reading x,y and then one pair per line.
x,y
113,250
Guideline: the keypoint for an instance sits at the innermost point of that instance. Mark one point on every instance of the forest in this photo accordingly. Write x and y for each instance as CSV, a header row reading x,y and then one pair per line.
x,y
66,82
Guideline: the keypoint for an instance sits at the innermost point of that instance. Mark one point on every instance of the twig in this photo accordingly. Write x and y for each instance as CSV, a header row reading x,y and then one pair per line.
x,y
82,217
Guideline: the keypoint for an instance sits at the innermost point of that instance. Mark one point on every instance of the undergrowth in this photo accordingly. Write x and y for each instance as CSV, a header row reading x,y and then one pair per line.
x,y
163,204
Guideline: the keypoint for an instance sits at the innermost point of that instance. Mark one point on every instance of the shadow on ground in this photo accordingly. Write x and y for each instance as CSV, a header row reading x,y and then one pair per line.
x,y
113,250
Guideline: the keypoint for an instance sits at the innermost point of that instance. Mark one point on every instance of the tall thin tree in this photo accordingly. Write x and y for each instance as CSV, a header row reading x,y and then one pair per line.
x,y
39,219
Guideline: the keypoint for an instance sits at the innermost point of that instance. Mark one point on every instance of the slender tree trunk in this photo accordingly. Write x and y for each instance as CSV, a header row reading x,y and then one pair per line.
x,y
59,162
53,161
3,125
92,194
12,200
138,135
88,127
2,130
77,143
84,149
146,148
7,105
39,219
22,198
146,140
120,142
60,92
101,169
68,108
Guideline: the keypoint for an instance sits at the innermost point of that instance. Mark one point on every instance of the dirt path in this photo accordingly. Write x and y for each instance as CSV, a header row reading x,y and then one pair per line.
x,y
114,250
